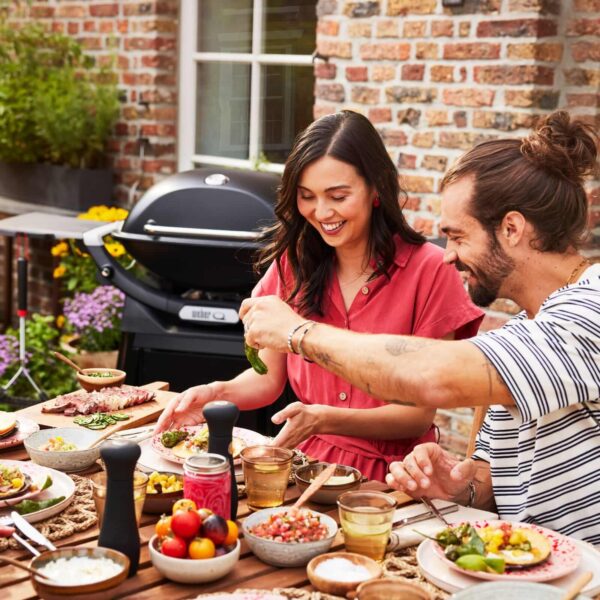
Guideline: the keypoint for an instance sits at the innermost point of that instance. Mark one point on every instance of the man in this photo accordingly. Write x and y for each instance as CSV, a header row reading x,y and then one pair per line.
x,y
514,212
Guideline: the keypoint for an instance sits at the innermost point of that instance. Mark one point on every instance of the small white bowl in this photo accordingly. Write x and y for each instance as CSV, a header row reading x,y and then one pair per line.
x,y
70,461
281,554
190,570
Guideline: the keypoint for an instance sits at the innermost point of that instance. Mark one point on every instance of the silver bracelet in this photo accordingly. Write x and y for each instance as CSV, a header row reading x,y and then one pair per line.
x,y
291,335
311,324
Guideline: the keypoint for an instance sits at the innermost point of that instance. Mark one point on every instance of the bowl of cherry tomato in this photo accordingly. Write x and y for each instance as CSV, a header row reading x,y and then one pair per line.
x,y
194,545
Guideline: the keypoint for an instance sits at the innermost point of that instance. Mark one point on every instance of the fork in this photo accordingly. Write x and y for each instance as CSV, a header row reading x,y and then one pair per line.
x,y
434,509
7,521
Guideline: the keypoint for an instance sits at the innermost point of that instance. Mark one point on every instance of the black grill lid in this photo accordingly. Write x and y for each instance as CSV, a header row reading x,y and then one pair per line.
x,y
198,229
209,198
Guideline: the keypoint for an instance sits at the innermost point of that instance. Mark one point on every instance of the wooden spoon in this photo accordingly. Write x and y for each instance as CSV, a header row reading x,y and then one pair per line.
x,y
16,563
69,362
577,586
319,481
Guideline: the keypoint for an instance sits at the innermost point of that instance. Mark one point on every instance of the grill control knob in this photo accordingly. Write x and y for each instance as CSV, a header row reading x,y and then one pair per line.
x,y
216,179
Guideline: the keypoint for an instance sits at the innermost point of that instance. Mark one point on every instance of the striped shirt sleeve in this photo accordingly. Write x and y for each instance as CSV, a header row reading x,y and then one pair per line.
x,y
552,361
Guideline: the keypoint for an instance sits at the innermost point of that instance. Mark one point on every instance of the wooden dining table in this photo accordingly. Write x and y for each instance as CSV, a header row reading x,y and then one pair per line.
x,y
249,572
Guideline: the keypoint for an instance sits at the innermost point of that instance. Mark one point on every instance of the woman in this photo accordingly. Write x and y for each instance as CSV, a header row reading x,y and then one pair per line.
x,y
342,253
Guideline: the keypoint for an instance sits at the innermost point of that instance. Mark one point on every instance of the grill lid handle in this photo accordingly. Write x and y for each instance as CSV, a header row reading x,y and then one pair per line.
x,y
194,232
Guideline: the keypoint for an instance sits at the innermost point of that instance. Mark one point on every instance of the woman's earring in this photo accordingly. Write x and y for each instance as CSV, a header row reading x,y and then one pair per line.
x,y
376,202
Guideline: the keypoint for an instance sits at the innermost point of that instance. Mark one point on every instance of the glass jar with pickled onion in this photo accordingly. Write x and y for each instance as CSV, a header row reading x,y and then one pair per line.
x,y
207,481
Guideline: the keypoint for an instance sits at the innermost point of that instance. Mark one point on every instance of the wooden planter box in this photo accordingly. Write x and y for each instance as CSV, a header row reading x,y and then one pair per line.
x,y
53,185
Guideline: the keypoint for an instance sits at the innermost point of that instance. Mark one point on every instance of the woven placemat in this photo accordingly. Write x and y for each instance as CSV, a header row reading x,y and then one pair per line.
x,y
78,516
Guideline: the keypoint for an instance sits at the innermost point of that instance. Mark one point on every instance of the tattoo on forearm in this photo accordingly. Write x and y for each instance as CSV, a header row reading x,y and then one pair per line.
x,y
325,360
397,346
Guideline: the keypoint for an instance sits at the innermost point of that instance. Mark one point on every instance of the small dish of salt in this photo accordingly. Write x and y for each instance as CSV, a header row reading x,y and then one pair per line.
x,y
341,572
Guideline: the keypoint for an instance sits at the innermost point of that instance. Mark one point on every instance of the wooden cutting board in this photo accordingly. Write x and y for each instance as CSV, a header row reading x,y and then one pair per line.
x,y
146,413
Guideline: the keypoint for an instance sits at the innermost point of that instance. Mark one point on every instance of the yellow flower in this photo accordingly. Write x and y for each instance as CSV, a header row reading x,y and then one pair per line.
x,y
59,272
115,249
104,213
60,249
60,321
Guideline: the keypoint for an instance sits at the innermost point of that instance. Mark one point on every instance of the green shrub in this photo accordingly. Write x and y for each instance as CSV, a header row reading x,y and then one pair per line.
x,y
53,106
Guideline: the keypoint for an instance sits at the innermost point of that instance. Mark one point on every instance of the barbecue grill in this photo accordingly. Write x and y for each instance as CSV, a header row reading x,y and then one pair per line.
x,y
196,233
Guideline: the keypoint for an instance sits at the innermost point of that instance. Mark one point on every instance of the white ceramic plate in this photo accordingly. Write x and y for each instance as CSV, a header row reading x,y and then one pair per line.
x,y
440,574
62,485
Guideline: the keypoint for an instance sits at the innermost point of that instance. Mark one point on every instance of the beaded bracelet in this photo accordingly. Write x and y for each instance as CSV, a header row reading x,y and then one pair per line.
x,y
311,324
291,335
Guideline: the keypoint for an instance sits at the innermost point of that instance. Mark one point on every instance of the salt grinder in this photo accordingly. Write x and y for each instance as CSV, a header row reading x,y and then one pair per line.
x,y
119,527
221,417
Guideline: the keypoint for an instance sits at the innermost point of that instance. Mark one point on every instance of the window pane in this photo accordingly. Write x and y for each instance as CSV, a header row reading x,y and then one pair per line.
x,y
225,25
286,108
223,113
289,26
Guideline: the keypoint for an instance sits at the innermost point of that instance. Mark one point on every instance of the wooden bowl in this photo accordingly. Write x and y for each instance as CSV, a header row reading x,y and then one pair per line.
x,y
159,503
108,378
88,591
390,590
341,588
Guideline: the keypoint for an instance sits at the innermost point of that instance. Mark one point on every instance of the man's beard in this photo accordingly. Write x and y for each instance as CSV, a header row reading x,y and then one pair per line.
x,y
491,271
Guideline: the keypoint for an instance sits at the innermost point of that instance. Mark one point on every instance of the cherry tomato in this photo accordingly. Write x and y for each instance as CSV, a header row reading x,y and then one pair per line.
x,y
186,523
174,547
183,504
232,533
163,527
201,548
204,513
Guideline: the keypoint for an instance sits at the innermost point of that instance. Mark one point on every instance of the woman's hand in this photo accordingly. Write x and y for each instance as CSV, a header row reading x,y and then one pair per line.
x,y
428,471
267,322
302,422
186,409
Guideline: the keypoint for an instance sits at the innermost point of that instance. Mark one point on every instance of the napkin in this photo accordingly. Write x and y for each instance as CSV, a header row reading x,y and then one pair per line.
x,y
408,535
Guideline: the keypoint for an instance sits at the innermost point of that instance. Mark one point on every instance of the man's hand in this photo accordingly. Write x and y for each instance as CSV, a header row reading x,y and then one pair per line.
x,y
267,322
428,471
186,409
302,422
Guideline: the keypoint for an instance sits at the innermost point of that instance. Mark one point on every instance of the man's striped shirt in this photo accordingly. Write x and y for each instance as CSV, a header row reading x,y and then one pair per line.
x,y
544,452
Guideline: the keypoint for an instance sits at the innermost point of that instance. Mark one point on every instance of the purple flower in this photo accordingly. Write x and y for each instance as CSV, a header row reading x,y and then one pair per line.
x,y
96,317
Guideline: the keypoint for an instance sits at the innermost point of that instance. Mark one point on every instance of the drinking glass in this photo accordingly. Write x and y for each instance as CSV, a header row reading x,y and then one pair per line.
x,y
266,475
366,519
140,480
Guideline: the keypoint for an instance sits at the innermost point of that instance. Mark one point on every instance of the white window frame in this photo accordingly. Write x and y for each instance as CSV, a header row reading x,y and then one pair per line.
x,y
188,61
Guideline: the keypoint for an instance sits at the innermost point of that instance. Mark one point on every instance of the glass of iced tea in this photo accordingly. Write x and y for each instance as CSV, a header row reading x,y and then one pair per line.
x,y
366,519
266,475
140,480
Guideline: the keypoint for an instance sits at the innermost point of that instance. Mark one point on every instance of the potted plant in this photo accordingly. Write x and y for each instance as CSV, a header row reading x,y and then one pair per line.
x,y
94,319
57,112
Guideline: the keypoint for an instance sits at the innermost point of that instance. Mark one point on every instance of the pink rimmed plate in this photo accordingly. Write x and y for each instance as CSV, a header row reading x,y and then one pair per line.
x,y
25,427
248,437
563,559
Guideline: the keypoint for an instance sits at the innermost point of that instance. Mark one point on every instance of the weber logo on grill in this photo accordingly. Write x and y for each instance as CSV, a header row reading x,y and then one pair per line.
x,y
210,314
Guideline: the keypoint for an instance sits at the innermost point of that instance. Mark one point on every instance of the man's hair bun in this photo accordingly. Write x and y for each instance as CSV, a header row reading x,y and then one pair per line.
x,y
563,146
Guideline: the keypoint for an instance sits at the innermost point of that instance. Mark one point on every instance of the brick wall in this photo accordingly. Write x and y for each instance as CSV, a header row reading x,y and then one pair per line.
x,y
436,81
140,40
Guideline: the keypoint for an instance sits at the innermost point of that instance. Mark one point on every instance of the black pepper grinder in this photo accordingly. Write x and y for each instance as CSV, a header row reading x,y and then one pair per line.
x,y
221,417
119,526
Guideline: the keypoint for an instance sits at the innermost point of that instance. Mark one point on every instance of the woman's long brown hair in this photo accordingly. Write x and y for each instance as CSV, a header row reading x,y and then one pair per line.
x,y
351,138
